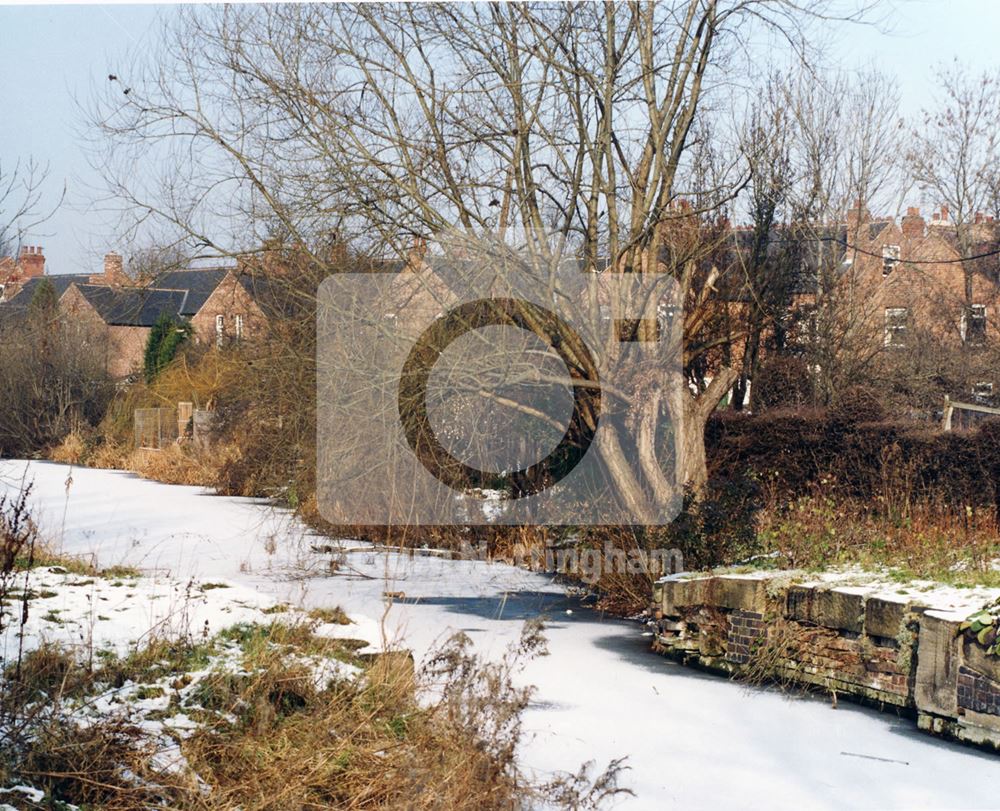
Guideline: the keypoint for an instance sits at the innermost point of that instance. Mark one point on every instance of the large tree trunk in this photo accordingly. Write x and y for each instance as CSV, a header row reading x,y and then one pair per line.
x,y
648,491
691,460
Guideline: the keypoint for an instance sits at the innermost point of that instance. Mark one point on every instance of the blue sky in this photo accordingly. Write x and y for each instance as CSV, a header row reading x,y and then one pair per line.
x,y
49,55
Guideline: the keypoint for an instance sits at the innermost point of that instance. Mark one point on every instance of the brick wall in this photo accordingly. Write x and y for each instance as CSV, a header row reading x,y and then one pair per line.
x,y
123,346
229,300
745,631
978,692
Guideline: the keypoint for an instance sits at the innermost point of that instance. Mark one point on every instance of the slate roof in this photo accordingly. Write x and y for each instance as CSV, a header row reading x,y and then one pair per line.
x,y
805,253
199,283
133,307
60,282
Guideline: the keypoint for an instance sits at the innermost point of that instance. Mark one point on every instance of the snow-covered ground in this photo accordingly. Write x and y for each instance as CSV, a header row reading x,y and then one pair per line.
x,y
692,741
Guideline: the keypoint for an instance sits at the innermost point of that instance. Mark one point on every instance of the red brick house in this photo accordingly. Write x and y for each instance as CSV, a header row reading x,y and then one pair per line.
x,y
223,304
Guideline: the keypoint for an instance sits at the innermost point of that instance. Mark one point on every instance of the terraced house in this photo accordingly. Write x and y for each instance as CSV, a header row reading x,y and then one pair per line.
x,y
224,305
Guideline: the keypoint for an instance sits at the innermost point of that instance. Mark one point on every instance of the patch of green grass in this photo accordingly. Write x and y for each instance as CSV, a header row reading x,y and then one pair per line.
x,y
158,659
118,572
68,564
210,586
334,616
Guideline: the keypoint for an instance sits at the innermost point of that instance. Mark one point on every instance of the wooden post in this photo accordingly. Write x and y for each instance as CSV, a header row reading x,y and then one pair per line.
x,y
948,410
185,411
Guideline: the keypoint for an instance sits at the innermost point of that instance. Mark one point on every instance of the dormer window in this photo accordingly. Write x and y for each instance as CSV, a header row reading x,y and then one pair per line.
x,y
890,258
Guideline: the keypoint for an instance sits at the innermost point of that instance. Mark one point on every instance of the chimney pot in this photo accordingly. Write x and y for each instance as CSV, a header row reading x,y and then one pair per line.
x,y
31,262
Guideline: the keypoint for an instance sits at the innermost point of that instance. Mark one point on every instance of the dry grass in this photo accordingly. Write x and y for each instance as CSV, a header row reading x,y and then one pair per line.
x,y
927,542
72,450
179,464
88,449
271,737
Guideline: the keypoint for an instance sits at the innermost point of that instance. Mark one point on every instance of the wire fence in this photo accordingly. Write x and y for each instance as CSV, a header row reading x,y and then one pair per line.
x,y
155,428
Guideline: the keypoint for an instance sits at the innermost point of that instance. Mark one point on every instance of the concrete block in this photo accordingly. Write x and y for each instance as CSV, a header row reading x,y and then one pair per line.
x,y
798,603
975,657
938,660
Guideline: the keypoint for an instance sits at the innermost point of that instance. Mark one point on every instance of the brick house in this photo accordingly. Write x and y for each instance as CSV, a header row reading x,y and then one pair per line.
x,y
891,298
223,304
912,276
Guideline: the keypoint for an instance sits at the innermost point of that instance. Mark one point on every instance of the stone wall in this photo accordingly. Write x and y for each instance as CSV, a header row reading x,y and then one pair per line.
x,y
851,641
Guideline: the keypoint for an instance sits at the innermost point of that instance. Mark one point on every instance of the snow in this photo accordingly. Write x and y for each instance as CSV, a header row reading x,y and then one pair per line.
x,y
692,740
114,613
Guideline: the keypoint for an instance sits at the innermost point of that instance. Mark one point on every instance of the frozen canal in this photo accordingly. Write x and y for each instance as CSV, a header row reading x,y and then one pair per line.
x,y
692,741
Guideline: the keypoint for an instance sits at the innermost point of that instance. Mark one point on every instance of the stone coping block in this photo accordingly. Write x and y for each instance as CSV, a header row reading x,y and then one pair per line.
x,y
735,592
886,616
739,593
935,688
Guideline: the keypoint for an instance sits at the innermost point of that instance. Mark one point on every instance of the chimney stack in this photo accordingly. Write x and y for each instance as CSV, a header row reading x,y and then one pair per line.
x,y
912,224
944,213
31,262
980,218
114,271
858,215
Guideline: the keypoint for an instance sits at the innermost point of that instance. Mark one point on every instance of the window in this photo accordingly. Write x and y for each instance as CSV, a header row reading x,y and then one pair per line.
x,y
2,288
890,258
895,326
239,327
220,329
974,325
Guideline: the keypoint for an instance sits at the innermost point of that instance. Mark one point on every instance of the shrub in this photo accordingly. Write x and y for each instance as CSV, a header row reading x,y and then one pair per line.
x,y
166,337
783,381
54,378
790,452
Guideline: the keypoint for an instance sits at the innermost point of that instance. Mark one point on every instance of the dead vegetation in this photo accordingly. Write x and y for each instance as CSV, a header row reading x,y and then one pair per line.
x,y
271,735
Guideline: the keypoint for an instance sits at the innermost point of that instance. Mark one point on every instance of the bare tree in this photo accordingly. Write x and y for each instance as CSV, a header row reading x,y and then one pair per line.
x,y
21,197
955,151
390,123
845,147
766,261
